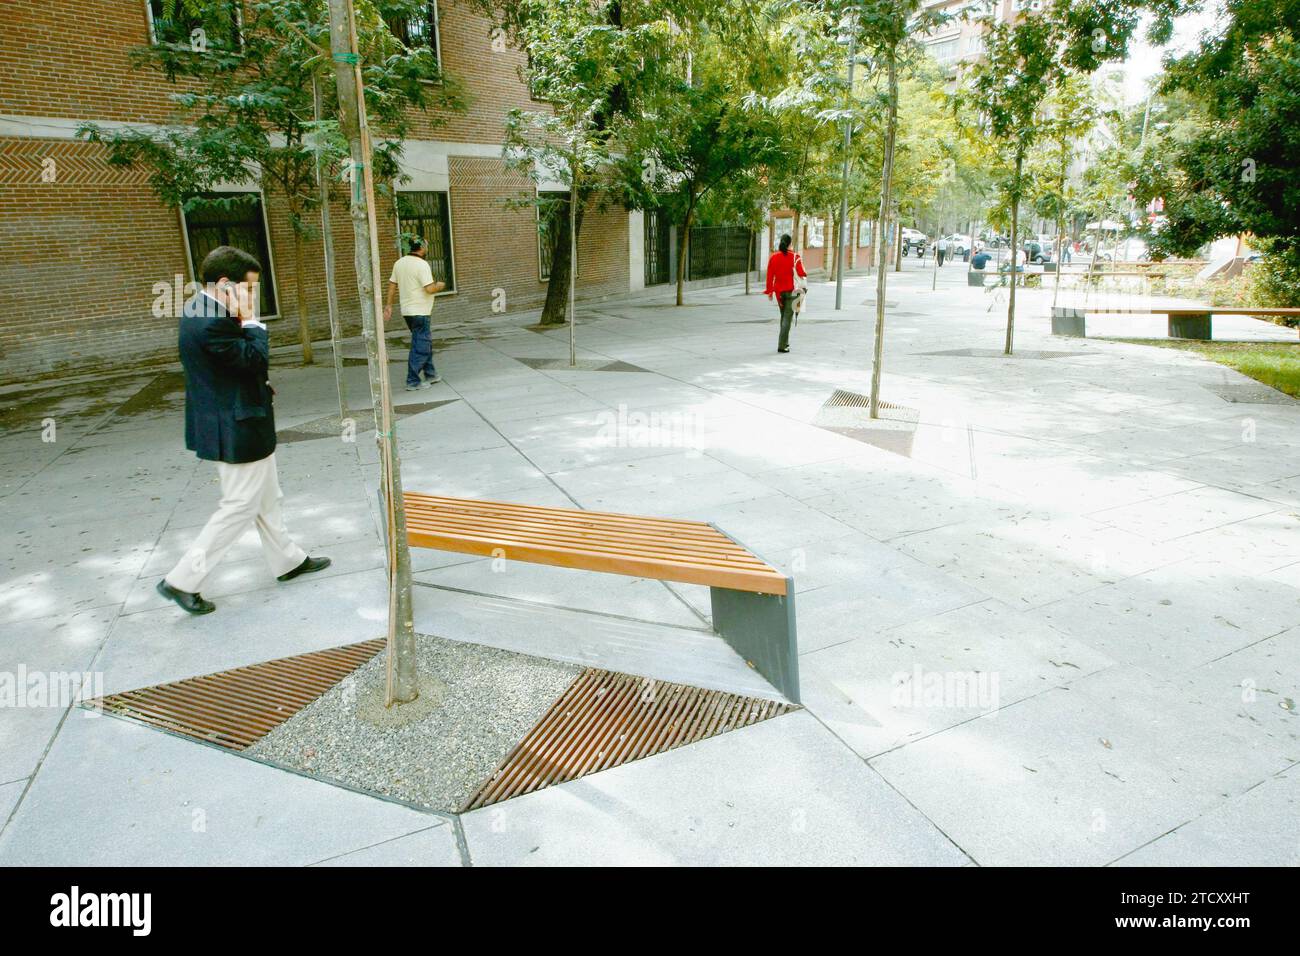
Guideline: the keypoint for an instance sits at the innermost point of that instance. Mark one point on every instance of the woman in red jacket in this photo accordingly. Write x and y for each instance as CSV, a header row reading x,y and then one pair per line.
x,y
781,270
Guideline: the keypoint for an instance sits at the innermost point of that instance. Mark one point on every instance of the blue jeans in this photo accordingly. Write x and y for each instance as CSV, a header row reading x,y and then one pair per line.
x,y
421,359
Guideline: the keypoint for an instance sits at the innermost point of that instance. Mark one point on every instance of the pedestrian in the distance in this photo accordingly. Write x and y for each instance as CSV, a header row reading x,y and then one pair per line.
x,y
783,271
413,284
941,250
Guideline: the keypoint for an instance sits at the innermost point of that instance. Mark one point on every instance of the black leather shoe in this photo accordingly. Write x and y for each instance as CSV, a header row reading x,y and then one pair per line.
x,y
194,603
307,567
786,349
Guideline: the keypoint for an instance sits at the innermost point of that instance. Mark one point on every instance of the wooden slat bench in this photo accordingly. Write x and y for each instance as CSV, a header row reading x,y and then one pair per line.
x,y
752,602
1185,322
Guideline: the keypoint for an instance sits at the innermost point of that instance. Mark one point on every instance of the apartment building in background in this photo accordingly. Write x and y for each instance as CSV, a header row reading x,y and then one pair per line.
x,y
85,248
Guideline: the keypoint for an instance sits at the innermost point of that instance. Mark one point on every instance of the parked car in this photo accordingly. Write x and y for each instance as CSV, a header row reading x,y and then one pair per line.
x,y
1131,250
958,244
1036,251
914,241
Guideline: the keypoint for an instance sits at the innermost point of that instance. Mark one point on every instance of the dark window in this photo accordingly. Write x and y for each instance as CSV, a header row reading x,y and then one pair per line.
x,y
428,216
552,210
232,219
656,247
718,251
171,21
419,27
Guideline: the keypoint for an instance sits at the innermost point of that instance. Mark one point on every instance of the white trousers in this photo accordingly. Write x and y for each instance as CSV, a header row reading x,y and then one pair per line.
x,y
250,495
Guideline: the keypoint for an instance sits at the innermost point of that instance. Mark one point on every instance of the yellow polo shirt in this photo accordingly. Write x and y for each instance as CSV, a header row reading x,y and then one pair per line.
x,y
411,274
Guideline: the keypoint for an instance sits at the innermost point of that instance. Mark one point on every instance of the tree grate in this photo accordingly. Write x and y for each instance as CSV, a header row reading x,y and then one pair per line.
x,y
606,719
235,708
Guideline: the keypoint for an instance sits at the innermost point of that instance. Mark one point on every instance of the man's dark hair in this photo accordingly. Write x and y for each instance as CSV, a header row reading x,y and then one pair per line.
x,y
230,262
414,244
785,243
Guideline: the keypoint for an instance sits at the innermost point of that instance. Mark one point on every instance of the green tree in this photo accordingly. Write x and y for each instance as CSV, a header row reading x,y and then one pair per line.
x,y
1231,167
887,32
706,125
1008,88
586,60
1071,111
245,111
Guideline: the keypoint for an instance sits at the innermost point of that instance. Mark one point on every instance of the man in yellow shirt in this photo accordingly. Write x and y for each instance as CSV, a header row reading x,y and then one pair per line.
x,y
413,284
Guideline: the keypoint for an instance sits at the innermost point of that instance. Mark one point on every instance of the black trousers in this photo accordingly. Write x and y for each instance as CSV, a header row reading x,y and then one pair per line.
x,y
787,316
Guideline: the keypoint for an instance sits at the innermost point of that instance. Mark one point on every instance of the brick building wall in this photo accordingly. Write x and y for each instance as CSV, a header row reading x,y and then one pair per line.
x,y
82,245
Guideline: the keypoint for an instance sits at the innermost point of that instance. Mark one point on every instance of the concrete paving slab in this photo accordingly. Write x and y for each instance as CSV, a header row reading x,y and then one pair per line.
x,y
151,647
1079,775
694,656
1185,512
1255,828
1176,617
1032,560
884,691
158,800
781,793
639,598
435,846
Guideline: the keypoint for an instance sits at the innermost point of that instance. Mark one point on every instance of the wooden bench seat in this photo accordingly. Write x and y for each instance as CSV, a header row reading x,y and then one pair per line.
x,y
1185,322
752,601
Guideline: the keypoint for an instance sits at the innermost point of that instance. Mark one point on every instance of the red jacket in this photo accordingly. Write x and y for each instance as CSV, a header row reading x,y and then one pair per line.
x,y
780,272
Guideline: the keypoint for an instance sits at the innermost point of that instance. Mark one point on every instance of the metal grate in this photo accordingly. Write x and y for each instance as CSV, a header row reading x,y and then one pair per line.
x,y
1250,394
583,365
234,708
1000,354
606,719
843,399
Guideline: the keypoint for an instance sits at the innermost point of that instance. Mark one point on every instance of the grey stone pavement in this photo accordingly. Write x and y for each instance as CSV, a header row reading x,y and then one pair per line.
x,y
1090,534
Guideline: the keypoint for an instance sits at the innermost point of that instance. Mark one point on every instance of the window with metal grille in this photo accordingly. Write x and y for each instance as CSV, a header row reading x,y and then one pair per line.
x,y
171,22
427,215
656,247
232,219
419,27
718,251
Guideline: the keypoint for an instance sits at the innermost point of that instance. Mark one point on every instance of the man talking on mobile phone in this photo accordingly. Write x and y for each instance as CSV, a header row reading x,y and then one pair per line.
x,y
229,420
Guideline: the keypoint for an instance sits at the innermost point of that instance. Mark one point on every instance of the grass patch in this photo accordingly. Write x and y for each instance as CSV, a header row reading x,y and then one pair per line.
x,y
1276,364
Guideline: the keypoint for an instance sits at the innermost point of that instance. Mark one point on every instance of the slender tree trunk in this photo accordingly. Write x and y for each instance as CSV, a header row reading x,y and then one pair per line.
x,y
556,308
684,247
403,684
882,271
749,258
300,295
1060,222
573,258
327,241
1015,250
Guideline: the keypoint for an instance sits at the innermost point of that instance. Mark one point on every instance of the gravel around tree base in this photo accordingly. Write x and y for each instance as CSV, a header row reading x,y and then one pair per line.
x,y
475,704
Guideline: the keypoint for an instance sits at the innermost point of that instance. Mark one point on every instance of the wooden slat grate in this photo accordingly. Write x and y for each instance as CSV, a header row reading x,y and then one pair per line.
x,y
606,719
235,708
667,549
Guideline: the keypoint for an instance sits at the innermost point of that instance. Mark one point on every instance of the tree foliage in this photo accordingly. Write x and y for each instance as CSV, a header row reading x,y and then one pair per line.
x,y
1231,167
244,102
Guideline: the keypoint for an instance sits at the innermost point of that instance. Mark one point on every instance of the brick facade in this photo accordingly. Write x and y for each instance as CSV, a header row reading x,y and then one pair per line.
x,y
82,245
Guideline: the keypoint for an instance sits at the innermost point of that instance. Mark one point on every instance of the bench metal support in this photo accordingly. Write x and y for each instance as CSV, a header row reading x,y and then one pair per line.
x,y
1187,326
761,629
1069,321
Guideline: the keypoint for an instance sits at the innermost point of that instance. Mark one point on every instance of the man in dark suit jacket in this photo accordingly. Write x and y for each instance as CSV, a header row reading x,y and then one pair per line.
x,y
229,419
